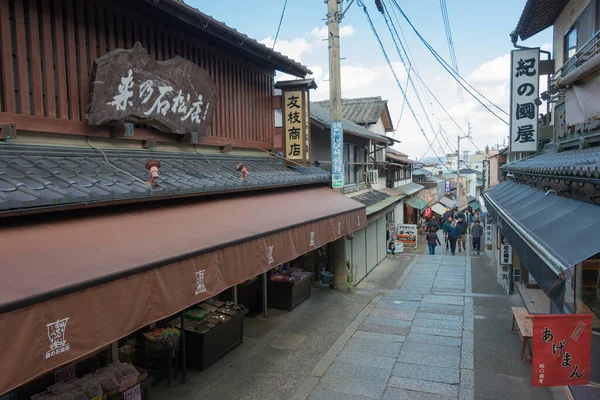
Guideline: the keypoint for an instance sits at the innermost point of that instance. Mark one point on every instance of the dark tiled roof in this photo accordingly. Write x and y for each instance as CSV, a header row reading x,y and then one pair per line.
x,y
371,197
38,176
321,115
245,43
538,15
469,171
363,110
579,163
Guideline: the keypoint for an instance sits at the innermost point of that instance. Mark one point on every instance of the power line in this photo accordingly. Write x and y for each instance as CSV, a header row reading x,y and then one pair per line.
x,y
447,67
446,19
387,59
387,21
280,21
393,30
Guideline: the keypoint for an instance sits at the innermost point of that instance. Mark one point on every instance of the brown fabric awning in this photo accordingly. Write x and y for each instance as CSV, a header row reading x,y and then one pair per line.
x,y
70,287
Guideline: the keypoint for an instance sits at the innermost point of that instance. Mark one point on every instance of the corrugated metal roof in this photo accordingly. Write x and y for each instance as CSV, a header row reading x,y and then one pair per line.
x,y
322,115
417,203
578,163
409,188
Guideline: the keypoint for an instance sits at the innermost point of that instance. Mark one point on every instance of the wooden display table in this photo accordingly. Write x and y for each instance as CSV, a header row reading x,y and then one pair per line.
x,y
204,349
288,295
525,326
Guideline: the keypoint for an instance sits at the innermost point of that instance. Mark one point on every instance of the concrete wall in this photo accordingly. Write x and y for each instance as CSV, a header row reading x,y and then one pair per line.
x,y
399,213
494,171
372,254
381,240
359,256
320,145
566,19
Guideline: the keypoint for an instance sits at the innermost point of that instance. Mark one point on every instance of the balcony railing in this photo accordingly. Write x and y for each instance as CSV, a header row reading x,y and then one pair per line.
x,y
588,51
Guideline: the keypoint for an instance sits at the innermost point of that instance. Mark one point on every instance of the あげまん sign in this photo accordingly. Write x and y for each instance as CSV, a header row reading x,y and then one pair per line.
x,y
175,95
524,78
562,346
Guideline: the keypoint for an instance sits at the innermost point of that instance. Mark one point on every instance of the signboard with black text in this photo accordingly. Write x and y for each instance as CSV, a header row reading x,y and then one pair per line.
x,y
524,89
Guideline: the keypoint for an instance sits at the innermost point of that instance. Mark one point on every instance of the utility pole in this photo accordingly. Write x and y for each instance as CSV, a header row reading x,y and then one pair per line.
x,y
458,164
338,248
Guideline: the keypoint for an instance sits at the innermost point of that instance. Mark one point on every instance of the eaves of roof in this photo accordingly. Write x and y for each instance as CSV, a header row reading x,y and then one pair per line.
x,y
241,42
537,16
36,179
581,163
322,116
362,110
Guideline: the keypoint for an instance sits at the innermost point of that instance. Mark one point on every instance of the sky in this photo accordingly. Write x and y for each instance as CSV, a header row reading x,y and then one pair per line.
x,y
480,33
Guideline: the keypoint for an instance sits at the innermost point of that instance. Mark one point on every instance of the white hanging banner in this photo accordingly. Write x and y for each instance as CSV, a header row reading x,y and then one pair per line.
x,y
524,89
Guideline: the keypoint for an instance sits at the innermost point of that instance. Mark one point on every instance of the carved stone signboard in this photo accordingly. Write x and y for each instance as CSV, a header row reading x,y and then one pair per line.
x,y
175,95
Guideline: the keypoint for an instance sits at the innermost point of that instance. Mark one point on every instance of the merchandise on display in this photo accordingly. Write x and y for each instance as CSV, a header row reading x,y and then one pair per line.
x,y
208,315
293,275
106,380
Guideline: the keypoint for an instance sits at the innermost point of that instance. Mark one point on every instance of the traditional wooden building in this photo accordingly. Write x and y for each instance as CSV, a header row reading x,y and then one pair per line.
x,y
137,173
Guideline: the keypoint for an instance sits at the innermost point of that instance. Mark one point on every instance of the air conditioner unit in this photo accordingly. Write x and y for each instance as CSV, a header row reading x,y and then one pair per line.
x,y
373,176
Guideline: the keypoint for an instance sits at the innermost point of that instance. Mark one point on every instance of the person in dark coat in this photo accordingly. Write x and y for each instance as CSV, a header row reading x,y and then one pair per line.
x,y
452,235
432,240
432,224
477,233
445,227
462,229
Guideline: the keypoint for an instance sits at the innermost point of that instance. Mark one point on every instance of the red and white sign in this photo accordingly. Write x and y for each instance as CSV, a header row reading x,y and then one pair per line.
x,y
562,346
135,393
427,212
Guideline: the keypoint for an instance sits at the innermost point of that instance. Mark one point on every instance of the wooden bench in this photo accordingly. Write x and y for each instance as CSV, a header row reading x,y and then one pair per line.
x,y
525,326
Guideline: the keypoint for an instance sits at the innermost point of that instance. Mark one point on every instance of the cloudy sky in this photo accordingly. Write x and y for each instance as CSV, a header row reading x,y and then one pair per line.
x,y
480,31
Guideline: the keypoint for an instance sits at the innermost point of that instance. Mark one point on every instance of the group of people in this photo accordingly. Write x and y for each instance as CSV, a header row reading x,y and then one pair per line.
x,y
455,226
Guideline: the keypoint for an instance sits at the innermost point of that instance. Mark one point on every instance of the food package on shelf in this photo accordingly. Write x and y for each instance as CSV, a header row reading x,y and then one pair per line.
x,y
107,381
90,386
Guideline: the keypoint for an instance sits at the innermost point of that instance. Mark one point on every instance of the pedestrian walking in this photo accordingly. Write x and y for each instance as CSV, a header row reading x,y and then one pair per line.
x,y
452,236
445,217
432,240
432,224
462,229
477,233
445,227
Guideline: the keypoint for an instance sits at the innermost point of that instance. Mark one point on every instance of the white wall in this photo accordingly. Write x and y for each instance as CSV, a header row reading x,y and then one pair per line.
x,y
562,24
399,213
377,127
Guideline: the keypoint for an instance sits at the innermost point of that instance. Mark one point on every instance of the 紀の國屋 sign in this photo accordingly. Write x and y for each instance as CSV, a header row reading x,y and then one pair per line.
x,y
175,95
562,346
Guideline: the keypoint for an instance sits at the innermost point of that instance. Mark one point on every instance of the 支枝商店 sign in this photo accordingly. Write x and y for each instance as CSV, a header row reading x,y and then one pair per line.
x,y
175,95
295,125
524,88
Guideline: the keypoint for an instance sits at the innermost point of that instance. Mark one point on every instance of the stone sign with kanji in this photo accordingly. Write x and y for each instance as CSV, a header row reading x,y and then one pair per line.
x,y
175,95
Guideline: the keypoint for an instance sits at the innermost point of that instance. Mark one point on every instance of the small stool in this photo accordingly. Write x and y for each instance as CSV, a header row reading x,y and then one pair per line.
x,y
169,355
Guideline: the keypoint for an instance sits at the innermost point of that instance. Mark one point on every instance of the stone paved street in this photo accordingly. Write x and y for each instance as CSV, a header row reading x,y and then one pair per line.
x,y
417,341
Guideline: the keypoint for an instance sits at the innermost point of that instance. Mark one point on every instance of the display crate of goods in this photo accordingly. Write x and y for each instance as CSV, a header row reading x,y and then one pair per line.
x,y
162,339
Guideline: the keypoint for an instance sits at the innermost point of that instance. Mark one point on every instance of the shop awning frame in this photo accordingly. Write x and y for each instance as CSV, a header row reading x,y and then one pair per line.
x,y
123,270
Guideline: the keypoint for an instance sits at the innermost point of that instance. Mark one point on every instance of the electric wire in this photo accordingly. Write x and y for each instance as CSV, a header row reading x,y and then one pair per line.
x,y
394,33
111,165
448,68
387,59
279,26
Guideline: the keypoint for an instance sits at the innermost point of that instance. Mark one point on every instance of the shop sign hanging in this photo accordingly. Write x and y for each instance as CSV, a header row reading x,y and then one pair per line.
x,y
134,393
488,234
524,79
447,185
427,212
337,155
562,346
175,95
506,254
295,125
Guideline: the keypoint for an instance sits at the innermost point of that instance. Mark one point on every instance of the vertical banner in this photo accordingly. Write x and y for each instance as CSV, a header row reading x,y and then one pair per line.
x,y
337,155
447,185
524,88
562,346
506,254
294,127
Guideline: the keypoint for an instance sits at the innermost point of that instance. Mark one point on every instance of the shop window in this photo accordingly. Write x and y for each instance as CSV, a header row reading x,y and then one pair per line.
x,y
587,288
350,170
581,31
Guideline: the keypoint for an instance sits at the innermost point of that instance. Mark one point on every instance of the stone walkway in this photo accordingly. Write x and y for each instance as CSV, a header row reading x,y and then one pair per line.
x,y
415,342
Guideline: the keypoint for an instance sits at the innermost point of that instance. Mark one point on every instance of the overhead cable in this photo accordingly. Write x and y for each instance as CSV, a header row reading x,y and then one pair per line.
x,y
279,26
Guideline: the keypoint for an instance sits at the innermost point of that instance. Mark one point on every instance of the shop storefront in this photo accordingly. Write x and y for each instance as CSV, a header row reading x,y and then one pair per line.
x,y
144,264
550,249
